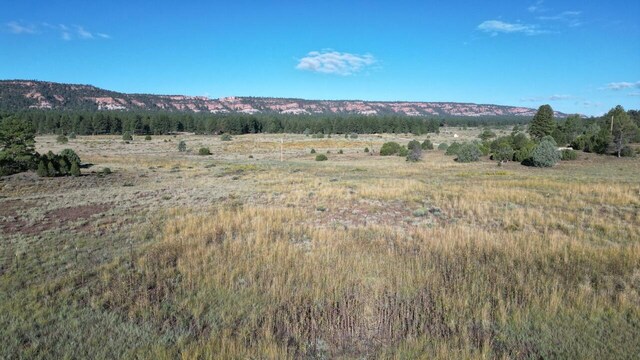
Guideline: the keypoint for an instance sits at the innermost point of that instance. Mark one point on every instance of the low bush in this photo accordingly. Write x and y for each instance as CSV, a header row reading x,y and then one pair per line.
x,y
627,151
182,146
147,138
366,149
568,154
61,139
389,148
204,151
443,146
468,152
544,155
225,137
414,143
313,151
415,154
321,157
504,152
127,136
453,149
427,145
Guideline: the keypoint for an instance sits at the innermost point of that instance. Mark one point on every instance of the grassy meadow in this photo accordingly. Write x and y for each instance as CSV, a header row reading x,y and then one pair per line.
x,y
240,255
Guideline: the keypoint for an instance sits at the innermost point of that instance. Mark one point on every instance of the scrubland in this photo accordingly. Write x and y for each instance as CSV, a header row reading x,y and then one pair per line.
x,y
175,255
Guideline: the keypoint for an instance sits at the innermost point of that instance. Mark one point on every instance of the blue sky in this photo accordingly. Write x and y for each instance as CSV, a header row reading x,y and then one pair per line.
x,y
577,56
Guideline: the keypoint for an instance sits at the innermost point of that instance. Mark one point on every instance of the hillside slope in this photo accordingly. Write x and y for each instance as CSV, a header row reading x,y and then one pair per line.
x,y
25,94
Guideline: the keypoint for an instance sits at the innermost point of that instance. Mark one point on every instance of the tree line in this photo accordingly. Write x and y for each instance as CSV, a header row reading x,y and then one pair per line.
x,y
158,123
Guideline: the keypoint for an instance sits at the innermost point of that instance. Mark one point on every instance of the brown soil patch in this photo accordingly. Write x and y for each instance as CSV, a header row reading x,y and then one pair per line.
x,y
58,218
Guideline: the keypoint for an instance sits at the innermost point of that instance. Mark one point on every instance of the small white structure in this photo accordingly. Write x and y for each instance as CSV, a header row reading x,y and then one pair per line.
x,y
455,135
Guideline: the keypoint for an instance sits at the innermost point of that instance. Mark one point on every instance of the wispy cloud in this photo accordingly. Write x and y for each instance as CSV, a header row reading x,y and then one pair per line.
x,y
15,27
637,93
548,98
334,62
66,32
82,33
536,7
571,18
495,27
622,85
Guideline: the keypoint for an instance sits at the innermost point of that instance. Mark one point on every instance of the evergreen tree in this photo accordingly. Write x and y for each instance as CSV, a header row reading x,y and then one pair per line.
x,y
42,169
543,123
622,129
75,169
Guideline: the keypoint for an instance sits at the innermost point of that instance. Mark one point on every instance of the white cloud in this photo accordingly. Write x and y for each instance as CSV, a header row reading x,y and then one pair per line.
x,y
537,7
571,18
334,62
634,94
494,27
16,28
622,85
82,33
548,98
65,32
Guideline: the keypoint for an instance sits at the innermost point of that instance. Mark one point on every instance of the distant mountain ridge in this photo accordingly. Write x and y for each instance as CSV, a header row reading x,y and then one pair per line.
x,y
31,94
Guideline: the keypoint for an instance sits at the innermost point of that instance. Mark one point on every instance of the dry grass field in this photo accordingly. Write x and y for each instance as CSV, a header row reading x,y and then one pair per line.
x,y
242,255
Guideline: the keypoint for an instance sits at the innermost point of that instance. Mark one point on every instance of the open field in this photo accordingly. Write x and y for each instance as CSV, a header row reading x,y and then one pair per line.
x,y
241,255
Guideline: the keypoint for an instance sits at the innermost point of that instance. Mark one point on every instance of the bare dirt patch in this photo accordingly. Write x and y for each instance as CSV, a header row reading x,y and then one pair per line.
x,y
58,218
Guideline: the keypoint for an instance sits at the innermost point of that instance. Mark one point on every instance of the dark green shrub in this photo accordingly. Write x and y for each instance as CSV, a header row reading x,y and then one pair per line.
x,y
468,152
127,136
147,138
453,149
550,139
340,151
413,143
72,135
182,146
627,151
106,171
568,154
61,139
403,151
389,148
524,153
321,157
544,155
486,135
70,155
503,153
579,143
366,149
354,135
225,137
313,151
204,151
427,145
443,146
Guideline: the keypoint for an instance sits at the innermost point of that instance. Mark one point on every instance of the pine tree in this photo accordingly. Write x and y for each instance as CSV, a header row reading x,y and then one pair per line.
x,y
75,169
543,123
42,169
51,170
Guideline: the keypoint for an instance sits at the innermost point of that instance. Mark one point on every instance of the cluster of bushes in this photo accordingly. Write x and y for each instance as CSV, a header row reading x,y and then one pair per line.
x,y
225,137
63,164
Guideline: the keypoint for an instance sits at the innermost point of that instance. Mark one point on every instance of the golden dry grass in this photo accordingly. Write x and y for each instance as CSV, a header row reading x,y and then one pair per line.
x,y
358,257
